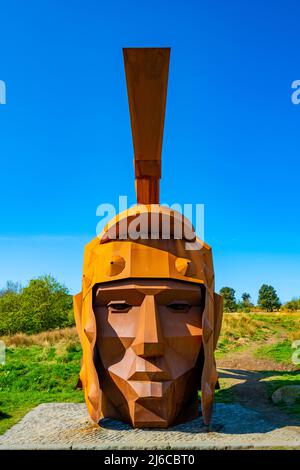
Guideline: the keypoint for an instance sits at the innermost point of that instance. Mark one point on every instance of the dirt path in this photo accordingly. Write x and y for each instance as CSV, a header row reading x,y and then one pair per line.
x,y
245,373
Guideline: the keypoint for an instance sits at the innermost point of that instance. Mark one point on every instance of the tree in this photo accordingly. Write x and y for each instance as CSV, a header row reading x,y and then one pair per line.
x,y
229,301
44,304
9,308
268,298
246,298
11,287
245,304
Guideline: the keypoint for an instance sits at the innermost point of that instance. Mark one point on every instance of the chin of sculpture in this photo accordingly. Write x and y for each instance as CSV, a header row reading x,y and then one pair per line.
x,y
148,317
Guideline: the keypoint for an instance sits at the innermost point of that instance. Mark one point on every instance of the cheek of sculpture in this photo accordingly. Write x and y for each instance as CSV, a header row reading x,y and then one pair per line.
x,y
149,378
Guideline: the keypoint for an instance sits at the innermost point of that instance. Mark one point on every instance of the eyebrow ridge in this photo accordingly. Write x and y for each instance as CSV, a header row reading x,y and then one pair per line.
x,y
142,289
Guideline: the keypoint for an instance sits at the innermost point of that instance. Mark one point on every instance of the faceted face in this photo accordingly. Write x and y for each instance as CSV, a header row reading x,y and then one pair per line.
x,y
149,337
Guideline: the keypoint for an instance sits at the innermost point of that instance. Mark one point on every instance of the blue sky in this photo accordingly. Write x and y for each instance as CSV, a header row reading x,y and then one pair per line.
x,y
231,136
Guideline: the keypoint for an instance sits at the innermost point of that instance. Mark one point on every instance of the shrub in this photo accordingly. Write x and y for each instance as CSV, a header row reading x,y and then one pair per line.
x,y
43,305
292,306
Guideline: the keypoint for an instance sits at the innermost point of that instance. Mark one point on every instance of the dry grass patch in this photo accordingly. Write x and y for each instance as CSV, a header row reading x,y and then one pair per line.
x,y
46,338
261,325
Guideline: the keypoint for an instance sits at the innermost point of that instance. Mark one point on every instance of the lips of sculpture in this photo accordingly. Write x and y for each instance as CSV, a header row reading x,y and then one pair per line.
x,y
148,341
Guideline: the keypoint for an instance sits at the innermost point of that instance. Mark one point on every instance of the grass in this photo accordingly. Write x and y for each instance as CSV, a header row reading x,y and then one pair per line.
x,y
239,330
46,338
37,374
225,394
281,379
280,352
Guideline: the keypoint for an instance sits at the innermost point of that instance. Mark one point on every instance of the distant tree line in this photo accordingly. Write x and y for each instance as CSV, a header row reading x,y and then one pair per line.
x,y
45,304
268,300
42,305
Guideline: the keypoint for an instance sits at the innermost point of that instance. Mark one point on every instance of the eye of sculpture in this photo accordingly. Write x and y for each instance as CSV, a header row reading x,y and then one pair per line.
x,y
118,306
179,306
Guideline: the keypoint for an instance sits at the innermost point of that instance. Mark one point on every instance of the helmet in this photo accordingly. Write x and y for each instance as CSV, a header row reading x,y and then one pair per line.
x,y
142,243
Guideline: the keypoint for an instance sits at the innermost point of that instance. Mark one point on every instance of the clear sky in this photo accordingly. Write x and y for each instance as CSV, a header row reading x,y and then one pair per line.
x,y
231,136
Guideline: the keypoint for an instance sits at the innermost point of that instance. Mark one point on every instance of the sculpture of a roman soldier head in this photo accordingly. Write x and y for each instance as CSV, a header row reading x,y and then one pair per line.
x,y
148,317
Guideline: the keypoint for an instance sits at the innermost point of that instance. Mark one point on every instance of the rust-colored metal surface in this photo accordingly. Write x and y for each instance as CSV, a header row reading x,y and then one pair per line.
x,y
147,79
148,317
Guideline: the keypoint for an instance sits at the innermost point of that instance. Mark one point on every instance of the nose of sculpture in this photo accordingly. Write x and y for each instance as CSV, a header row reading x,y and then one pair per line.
x,y
149,338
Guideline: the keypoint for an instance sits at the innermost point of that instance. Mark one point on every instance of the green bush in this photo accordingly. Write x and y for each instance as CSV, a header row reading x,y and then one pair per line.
x,y
291,306
43,305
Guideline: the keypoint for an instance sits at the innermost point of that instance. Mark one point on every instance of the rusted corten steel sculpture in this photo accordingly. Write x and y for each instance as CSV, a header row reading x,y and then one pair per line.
x,y
148,317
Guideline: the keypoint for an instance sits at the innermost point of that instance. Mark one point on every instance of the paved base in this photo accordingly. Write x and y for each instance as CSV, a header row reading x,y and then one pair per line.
x,y
67,426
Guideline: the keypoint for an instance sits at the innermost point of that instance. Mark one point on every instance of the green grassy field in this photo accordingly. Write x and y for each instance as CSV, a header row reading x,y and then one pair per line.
x,y
45,367
37,374
242,329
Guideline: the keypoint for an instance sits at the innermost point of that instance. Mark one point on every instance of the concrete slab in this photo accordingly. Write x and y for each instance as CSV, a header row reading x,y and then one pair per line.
x,y
68,426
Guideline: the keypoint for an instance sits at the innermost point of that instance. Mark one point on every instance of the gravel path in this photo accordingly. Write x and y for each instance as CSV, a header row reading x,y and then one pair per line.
x,y
67,426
